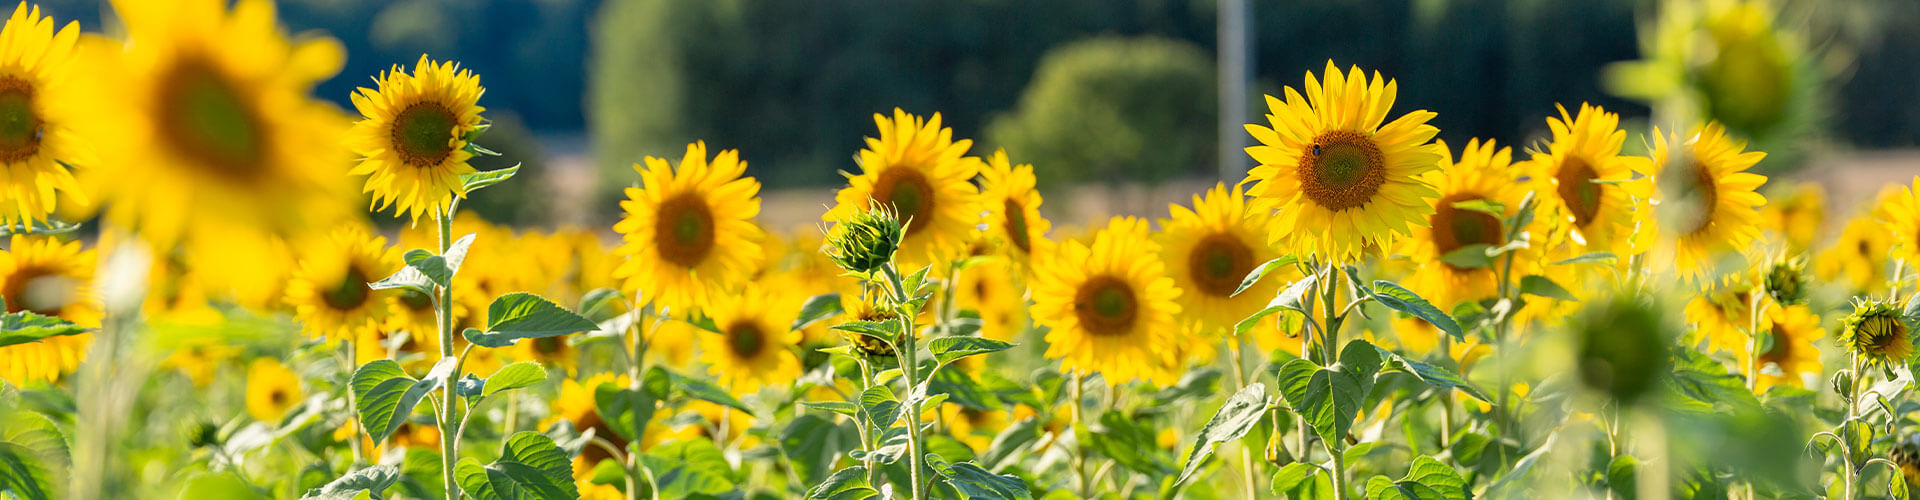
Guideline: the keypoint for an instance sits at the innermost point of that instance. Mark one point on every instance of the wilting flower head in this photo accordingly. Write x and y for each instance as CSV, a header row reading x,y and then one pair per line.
x,y
865,241
1876,332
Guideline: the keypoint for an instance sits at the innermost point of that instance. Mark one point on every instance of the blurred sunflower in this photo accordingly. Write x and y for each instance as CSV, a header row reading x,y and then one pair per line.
x,y
1482,174
45,276
1876,333
1012,205
552,352
753,347
1798,216
272,390
1341,180
1790,355
413,141
217,143
670,343
987,287
918,169
1710,194
329,291
575,403
1901,212
1209,249
689,231
1723,314
200,358
972,427
38,143
1859,258
1597,204
1110,306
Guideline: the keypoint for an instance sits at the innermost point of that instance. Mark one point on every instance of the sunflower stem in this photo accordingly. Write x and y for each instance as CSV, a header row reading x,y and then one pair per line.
x,y
910,372
636,365
1240,382
443,315
1753,339
1079,452
359,455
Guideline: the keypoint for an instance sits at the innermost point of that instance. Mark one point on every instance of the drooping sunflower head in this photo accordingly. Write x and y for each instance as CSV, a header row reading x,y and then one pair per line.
x,y
329,291
753,347
1110,306
38,142
1595,199
1707,196
688,233
1341,179
272,390
917,168
1013,208
1479,192
1876,332
413,139
1210,249
865,241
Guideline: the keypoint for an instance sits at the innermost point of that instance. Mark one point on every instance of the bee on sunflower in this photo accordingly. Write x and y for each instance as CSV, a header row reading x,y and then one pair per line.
x,y
1109,305
413,142
918,170
688,233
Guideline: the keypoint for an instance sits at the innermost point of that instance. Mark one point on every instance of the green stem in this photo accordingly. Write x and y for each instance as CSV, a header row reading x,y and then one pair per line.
x,y
1240,382
359,455
636,363
1851,475
1079,452
1753,338
1339,468
909,370
443,314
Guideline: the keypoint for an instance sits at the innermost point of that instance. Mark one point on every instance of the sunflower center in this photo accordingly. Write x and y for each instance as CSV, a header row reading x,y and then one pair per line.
x,y
351,292
911,196
1343,169
1218,263
39,290
277,397
207,118
1781,348
1017,225
1106,306
1881,333
423,134
683,230
20,128
550,345
1698,186
1578,191
1455,228
746,339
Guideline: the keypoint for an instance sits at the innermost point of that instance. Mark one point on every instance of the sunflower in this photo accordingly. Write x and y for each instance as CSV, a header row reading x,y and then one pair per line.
x,y
1711,194
272,390
670,343
1013,208
1798,215
200,358
575,404
1723,314
1483,174
918,169
1901,212
216,142
988,288
413,141
38,144
1110,306
1341,179
1790,354
1876,333
1596,202
972,427
689,231
329,291
1859,258
752,348
46,276
1209,249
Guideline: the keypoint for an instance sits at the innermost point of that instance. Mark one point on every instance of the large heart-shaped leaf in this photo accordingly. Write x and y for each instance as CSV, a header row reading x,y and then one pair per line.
x,y
373,480
522,315
1329,398
386,395
1426,479
1241,413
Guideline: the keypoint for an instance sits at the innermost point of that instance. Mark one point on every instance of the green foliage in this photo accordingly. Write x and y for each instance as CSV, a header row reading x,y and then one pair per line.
x,y
522,315
33,456
387,395
1330,397
28,326
1234,419
1426,479
530,466
1399,298
373,481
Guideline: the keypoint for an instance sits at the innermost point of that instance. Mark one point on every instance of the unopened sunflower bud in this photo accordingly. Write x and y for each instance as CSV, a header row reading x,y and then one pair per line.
x,y
865,241
1786,282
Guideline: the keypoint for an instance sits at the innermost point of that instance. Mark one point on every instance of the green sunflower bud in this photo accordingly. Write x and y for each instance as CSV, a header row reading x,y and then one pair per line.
x,y
1622,348
1786,281
866,241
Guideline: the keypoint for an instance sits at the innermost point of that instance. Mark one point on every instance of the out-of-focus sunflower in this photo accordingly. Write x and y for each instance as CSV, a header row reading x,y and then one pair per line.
x,y
1723,313
46,276
1711,198
1859,258
1483,174
972,427
1876,332
1798,216
1342,180
988,287
413,139
272,390
329,291
1012,205
1597,204
549,351
1110,305
38,143
216,144
688,230
1209,249
575,404
200,358
1790,355
753,348
1901,212
918,169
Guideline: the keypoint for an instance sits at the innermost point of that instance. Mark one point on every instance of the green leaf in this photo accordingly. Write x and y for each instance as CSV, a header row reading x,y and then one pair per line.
x,y
479,180
1426,479
1125,441
1240,414
881,407
386,395
373,480
840,407
1621,477
600,304
1434,375
1911,312
46,227
690,467
1401,299
817,309
814,443
1291,476
406,278
440,269
530,466
514,376
1331,397
947,349
845,484
616,404
705,391
469,388
1482,205
978,483
522,315
1291,298
1469,256
27,326
1701,378
218,487
33,456
1261,272
1011,441
884,330
1588,258
962,389
1542,286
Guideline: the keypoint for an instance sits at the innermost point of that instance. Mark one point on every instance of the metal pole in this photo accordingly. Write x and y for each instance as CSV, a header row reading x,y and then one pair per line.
x,y
1235,52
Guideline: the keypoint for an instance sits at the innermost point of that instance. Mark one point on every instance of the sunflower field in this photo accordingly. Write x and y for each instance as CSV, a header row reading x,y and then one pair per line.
x,y
200,306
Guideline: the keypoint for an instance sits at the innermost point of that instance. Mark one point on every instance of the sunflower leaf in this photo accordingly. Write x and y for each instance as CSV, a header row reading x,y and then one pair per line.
x,y
46,227
386,395
1911,313
1482,205
374,480
975,482
1588,258
1426,478
949,349
1401,299
1331,397
1472,256
845,484
705,391
817,309
530,466
522,315
1542,286
32,455
1261,272
1234,419
514,376
1291,298
1439,377
478,180
440,269
625,409
27,326
406,278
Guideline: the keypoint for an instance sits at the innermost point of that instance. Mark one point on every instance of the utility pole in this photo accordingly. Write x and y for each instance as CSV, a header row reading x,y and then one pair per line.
x,y
1235,53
